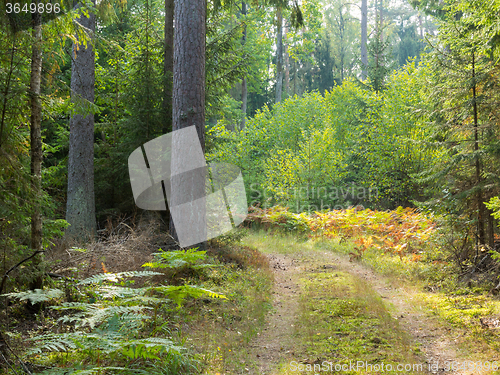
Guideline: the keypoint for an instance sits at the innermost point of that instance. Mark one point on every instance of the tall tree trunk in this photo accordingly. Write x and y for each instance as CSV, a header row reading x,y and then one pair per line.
x,y
189,108
168,64
244,89
342,46
364,38
479,195
294,77
381,20
80,209
279,55
168,74
287,64
36,141
420,26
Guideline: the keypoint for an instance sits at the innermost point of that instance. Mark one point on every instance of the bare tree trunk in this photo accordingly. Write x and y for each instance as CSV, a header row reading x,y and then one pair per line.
x,y
80,209
36,143
381,20
36,131
244,89
294,77
189,66
342,46
168,74
420,27
287,64
364,38
168,64
188,104
279,55
479,196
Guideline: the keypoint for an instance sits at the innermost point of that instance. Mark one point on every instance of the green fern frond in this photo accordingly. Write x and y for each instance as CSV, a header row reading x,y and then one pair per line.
x,y
179,293
114,277
150,348
37,295
178,259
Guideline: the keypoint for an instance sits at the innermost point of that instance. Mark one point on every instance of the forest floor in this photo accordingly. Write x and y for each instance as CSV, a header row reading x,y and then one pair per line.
x,y
303,334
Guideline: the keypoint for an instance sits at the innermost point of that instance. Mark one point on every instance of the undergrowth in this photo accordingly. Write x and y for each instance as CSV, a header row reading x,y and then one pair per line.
x,y
187,311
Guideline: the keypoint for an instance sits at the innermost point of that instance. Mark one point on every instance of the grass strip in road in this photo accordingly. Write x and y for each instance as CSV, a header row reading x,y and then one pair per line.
x,y
343,325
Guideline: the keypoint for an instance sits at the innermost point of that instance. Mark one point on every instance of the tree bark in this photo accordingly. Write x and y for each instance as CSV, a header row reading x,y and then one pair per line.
x,y
279,55
479,196
244,90
36,147
287,64
364,38
80,209
36,132
188,98
168,74
420,26
381,20
168,64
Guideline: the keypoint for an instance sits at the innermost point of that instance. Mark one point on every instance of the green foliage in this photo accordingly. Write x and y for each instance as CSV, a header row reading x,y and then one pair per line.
x,y
463,92
351,146
37,295
494,205
113,322
178,258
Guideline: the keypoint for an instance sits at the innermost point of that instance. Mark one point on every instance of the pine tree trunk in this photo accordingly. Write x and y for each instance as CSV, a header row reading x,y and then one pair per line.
x,y
168,73
244,89
381,20
364,38
420,26
479,196
279,55
36,131
295,73
168,64
80,209
36,147
189,97
287,64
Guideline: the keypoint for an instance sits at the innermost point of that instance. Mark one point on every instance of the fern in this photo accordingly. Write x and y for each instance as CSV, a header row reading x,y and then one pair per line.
x,y
110,323
95,314
115,277
179,293
37,295
150,348
189,258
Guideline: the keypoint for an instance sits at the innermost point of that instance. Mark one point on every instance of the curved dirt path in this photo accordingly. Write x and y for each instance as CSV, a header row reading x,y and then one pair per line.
x,y
436,344
272,346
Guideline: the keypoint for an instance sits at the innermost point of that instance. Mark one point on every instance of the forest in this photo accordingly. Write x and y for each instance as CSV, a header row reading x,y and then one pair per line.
x,y
350,150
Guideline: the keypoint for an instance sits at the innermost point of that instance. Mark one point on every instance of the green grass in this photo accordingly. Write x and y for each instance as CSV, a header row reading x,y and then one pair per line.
x,y
277,242
218,332
342,320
